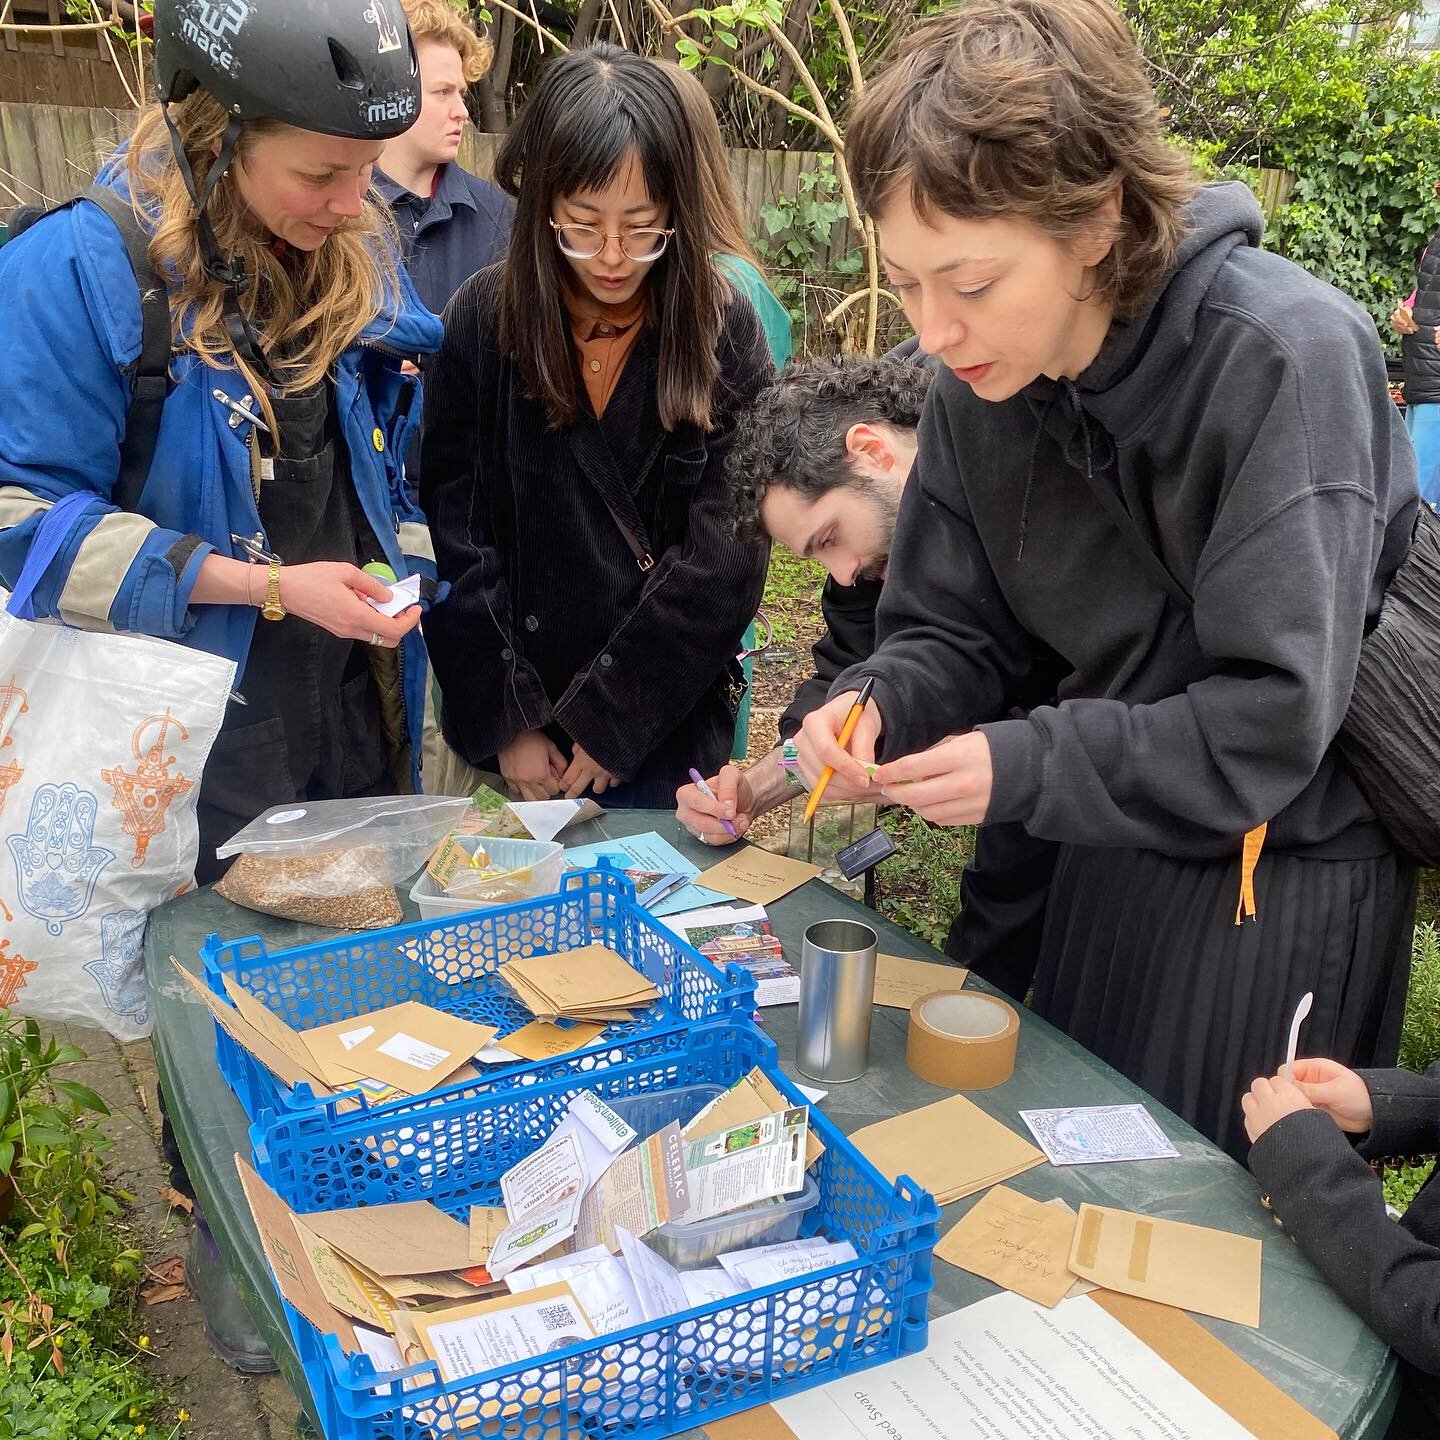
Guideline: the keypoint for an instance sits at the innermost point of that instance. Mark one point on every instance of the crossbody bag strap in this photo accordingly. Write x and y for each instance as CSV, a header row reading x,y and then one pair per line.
x,y
1134,537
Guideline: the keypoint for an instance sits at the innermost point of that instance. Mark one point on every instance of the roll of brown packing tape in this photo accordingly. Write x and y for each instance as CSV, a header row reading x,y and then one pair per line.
x,y
962,1039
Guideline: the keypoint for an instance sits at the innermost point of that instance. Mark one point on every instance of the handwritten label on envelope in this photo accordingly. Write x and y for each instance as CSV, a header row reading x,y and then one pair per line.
x,y
1017,1242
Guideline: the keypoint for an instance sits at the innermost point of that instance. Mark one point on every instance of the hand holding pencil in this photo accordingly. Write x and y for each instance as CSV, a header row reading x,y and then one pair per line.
x,y
836,744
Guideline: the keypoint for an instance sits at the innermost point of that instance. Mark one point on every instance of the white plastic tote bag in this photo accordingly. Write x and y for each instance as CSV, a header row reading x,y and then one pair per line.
x,y
103,738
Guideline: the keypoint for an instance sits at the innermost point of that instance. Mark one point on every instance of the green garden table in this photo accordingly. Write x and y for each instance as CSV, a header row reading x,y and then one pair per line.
x,y
1309,1343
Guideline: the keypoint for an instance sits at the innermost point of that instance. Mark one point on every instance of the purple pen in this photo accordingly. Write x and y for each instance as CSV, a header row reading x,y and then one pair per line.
x,y
709,794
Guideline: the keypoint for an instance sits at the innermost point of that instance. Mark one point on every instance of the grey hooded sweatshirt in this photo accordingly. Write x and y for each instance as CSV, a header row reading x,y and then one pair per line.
x,y
1244,420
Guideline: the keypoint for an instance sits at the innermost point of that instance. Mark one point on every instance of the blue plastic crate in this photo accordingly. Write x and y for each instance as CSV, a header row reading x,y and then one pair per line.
x,y
450,964
642,1383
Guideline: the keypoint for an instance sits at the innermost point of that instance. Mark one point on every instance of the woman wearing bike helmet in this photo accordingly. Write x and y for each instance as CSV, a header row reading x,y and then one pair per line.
x,y
277,470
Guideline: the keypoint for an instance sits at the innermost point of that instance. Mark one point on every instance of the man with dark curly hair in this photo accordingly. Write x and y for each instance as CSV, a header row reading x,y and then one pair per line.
x,y
820,462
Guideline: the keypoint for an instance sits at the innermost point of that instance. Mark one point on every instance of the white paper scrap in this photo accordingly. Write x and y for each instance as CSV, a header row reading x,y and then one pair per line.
x,y
410,1051
403,594
351,1038
1091,1134
598,1130
657,1282
772,1264
813,1095
705,1287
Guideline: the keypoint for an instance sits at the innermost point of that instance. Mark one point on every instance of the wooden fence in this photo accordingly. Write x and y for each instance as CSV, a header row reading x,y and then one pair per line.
x,y
49,152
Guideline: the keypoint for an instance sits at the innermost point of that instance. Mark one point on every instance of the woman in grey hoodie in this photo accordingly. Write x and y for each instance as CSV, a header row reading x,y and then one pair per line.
x,y
1170,457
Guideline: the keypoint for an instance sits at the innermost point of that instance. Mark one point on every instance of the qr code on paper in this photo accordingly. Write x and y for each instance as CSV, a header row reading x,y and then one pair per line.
x,y
556,1317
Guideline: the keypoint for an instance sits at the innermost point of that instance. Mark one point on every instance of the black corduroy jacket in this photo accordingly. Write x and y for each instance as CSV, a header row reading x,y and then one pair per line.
x,y
551,623
1330,1201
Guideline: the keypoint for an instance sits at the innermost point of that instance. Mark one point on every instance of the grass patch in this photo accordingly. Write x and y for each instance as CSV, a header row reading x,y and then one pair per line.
x,y
71,1336
919,886
792,586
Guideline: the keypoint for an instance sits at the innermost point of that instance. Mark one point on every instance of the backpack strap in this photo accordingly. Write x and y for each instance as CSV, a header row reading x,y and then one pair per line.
x,y
150,383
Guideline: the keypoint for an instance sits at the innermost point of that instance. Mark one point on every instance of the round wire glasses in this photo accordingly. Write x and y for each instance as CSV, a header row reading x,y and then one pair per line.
x,y
585,242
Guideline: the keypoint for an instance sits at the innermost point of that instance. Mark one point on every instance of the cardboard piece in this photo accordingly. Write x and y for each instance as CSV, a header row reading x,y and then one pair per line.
x,y
486,1223
275,1221
900,981
281,1065
411,1237
752,1097
346,1288
758,876
267,1023
542,1040
952,1148
411,1046
1210,1365
1015,1242
1190,1266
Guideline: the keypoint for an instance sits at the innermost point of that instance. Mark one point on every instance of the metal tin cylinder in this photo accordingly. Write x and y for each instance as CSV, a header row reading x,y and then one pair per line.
x,y
837,995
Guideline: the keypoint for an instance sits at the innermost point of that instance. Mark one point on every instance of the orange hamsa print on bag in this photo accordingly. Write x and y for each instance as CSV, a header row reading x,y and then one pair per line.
x,y
14,702
144,797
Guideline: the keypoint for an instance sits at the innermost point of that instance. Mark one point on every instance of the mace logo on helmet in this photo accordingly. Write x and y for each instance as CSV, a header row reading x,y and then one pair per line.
x,y
399,106
390,34
211,27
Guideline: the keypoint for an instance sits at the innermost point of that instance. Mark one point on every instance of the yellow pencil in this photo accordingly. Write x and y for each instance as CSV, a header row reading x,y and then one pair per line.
x,y
843,739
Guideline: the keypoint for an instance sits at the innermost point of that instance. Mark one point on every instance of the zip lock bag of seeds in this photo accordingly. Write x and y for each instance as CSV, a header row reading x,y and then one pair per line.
x,y
336,862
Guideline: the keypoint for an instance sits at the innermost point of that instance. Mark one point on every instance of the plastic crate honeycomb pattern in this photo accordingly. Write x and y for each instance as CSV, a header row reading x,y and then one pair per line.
x,y
644,1383
452,964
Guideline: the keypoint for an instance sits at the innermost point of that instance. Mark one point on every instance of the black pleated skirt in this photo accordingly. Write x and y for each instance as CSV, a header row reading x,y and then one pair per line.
x,y
1143,964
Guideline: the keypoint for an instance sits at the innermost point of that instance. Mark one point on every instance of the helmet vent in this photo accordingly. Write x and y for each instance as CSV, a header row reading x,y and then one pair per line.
x,y
347,68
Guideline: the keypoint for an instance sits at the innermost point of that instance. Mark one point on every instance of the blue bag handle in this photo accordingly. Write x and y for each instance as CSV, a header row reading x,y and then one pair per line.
x,y
53,531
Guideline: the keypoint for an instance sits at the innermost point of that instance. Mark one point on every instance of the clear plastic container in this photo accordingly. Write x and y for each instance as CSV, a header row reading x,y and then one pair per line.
x,y
522,869
689,1247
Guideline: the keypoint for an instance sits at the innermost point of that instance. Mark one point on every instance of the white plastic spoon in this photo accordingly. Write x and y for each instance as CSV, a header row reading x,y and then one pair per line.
x,y
1301,1011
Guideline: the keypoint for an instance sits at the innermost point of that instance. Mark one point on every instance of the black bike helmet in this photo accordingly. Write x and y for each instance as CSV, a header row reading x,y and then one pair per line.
x,y
339,67
336,67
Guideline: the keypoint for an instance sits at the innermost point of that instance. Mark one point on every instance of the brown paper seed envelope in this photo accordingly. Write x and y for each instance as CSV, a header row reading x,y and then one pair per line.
x,y
412,1237
952,1148
540,1040
1016,1242
1190,1266
593,976
275,1221
282,1066
486,1223
756,875
900,982
411,1046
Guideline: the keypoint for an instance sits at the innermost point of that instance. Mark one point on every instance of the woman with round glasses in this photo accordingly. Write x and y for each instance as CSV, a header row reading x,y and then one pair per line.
x,y
576,425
